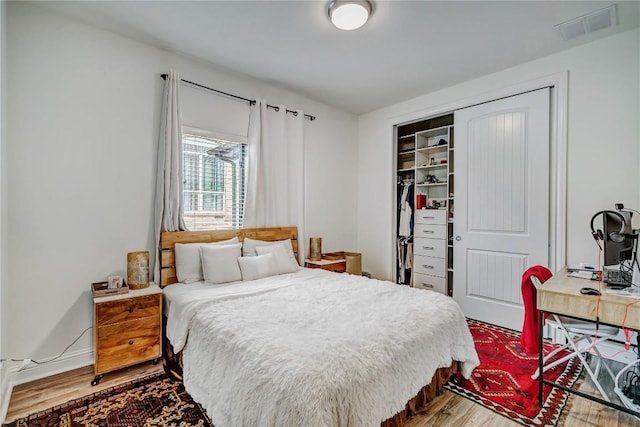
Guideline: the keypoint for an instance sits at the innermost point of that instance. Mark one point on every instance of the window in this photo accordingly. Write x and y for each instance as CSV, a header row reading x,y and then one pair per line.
x,y
214,182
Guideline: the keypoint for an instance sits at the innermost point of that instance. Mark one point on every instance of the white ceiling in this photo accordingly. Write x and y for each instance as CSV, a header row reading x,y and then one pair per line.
x,y
408,48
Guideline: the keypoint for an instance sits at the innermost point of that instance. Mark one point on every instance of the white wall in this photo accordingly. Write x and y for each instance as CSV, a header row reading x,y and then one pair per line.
x,y
83,114
603,142
4,398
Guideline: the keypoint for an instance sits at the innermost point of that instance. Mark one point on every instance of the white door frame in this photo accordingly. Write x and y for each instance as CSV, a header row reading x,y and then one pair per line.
x,y
557,156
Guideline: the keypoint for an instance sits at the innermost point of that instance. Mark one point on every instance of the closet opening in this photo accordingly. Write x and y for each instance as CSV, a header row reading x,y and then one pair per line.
x,y
424,200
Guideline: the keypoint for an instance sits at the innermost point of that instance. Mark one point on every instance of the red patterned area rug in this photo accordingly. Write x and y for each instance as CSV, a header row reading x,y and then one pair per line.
x,y
151,401
503,381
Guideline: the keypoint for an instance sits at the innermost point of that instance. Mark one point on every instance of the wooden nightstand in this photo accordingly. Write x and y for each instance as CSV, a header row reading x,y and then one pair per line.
x,y
337,265
339,262
127,330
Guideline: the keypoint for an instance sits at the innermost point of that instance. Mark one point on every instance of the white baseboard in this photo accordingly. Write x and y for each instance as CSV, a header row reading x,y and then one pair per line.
x,y
67,362
5,392
11,376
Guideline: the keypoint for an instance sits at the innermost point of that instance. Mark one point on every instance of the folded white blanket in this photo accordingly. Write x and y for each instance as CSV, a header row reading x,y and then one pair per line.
x,y
321,352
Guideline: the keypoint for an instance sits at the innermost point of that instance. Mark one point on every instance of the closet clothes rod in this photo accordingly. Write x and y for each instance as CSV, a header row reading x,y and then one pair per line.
x,y
250,101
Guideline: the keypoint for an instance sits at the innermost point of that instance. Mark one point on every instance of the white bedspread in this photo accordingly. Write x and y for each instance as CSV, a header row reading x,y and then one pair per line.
x,y
307,350
182,301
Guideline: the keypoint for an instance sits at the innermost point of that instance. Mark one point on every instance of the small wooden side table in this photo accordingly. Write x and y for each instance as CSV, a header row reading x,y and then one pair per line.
x,y
336,265
127,330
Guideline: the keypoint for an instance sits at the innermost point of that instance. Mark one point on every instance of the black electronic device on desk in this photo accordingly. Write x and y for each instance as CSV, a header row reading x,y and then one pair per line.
x,y
617,278
619,248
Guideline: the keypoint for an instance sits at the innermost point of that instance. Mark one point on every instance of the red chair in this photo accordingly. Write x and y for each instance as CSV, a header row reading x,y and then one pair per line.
x,y
581,337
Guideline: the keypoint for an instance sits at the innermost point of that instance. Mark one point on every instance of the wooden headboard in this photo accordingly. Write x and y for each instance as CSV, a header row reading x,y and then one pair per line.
x,y
168,240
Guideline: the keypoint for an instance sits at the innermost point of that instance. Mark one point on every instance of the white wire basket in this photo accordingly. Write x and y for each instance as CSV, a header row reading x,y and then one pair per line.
x,y
635,365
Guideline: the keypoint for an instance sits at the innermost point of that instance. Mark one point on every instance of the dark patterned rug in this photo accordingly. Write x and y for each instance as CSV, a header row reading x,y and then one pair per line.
x,y
151,401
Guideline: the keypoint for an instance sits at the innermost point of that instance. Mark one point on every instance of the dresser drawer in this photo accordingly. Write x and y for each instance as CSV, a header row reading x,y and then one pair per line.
x,y
429,265
430,231
430,247
431,216
128,309
432,283
126,343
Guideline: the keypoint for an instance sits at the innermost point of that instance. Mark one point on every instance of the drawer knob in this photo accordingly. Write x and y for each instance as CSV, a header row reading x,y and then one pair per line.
x,y
426,285
428,266
131,310
428,231
428,247
131,342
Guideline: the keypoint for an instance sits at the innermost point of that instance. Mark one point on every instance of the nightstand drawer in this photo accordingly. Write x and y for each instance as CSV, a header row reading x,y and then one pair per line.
x,y
126,343
338,267
127,309
430,231
429,265
431,216
430,247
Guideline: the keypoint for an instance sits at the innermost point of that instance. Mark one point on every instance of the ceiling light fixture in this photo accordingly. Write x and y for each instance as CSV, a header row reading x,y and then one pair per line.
x,y
350,14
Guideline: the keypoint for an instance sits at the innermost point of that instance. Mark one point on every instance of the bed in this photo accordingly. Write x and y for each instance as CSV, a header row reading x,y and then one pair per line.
x,y
307,347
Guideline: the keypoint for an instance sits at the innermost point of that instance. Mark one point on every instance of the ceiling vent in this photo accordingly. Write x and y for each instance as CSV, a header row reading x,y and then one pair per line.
x,y
586,24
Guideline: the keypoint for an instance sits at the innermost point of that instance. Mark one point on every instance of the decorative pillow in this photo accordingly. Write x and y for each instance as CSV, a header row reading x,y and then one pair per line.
x,y
188,264
281,261
249,247
220,263
256,267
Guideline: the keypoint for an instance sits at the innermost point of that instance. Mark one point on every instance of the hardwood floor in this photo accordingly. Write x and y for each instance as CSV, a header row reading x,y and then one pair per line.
x,y
47,392
447,410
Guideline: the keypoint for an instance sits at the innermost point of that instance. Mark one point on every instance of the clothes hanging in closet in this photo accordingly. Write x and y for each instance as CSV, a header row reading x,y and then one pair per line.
x,y
405,232
405,228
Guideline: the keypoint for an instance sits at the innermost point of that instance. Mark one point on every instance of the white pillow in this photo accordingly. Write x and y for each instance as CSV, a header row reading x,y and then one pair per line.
x,y
188,264
281,261
256,267
220,263
249,247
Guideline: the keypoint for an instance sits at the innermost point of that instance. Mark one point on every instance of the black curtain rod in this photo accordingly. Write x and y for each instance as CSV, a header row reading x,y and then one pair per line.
x,y
250,101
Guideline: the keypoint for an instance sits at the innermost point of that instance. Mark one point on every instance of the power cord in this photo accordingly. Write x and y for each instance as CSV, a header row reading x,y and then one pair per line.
x,y
26,362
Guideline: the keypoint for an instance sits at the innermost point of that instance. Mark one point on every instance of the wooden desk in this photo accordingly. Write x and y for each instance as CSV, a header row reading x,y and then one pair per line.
x,y
561,295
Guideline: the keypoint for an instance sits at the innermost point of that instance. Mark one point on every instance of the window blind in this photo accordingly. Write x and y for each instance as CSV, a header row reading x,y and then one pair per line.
x,y
214,173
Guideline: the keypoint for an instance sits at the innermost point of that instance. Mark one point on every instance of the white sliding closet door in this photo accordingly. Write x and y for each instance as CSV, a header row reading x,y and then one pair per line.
x,y
501,224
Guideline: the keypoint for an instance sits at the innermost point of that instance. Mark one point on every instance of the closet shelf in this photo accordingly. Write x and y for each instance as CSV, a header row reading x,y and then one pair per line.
x,y
432,148
427,184
439,166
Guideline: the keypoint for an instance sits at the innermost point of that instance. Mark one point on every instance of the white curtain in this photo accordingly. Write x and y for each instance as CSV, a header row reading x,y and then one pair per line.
x,y
169,211
275,181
